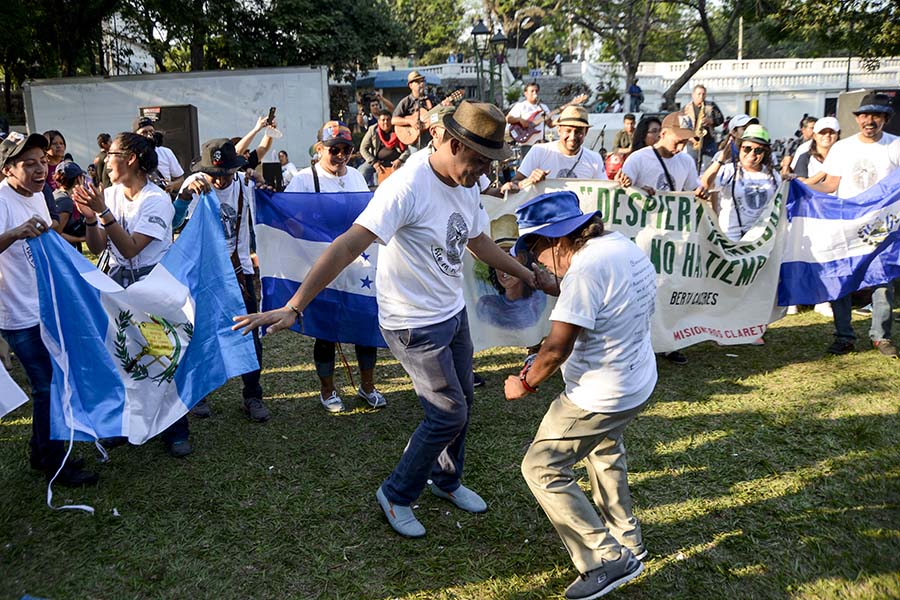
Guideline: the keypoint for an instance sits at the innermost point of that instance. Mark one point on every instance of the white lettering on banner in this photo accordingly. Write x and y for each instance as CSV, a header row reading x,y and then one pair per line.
x,y
708,287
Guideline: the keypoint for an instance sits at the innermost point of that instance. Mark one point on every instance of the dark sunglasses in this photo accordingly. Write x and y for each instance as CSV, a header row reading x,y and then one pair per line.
x,y
755,151
336,150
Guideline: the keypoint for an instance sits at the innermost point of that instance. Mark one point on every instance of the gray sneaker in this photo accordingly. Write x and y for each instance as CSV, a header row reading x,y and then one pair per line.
x,y
401,518
256,410
605,578
201,410
463,498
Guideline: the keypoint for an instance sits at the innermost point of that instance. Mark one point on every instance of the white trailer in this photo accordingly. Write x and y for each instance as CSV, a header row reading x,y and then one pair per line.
x,y
228,105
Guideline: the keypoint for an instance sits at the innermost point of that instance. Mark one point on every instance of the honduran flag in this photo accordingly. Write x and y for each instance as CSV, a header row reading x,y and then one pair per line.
x,y
130,362
292,231
836,246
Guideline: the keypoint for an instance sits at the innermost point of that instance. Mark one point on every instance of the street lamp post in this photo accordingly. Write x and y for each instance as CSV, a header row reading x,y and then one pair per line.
x,y
480,35
498,45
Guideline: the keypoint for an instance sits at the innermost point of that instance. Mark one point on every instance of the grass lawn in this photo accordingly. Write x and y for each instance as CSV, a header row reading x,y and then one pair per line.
x,y
774,473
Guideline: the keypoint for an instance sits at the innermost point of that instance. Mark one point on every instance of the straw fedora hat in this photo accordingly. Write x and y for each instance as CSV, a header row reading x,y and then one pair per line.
x,y
574,116
481,127
505,231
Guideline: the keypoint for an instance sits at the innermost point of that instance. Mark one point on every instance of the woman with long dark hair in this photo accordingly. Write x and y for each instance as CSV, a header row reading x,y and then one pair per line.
x,y
645,134
55,154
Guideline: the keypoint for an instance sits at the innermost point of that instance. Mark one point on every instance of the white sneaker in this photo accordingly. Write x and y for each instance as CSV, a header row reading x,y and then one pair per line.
x,y
375,398
824,309
791,310
332,403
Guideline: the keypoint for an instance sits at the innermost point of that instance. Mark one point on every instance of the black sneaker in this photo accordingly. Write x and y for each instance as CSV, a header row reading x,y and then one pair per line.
x,y
676,358
839,347
256,410
71,477
179,448
201,410
38,465
113,442
886,348
478,380
605,578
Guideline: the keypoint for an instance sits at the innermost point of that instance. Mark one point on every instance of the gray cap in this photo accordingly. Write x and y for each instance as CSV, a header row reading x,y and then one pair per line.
x,y
16,143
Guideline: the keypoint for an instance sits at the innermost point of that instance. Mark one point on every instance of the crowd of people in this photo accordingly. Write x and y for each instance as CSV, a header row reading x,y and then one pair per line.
x,y
425,213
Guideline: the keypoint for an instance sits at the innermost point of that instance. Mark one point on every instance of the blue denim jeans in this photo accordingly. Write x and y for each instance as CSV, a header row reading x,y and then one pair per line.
x,y
33,355
438,359
882,306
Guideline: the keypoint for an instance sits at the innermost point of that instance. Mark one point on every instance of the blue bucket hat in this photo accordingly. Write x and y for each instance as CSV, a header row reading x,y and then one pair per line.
x,y
552,215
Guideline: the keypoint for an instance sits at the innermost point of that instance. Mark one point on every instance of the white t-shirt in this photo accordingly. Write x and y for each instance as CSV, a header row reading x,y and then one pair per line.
x,y
420,157
425,226
287,172
168,166
643,168
610,292
586,164
19,306
860,165
228,205
804,147
151,214
754,191
351,181
532,112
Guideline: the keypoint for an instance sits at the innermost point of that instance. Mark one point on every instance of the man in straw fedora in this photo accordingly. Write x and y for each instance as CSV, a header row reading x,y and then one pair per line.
x,y
426,216
566,158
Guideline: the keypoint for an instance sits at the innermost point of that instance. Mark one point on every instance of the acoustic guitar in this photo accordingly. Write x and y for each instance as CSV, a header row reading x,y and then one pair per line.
x,y
521,133
409,135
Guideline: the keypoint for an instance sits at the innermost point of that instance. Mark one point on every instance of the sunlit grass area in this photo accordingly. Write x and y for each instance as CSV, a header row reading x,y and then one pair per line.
x,y
774,473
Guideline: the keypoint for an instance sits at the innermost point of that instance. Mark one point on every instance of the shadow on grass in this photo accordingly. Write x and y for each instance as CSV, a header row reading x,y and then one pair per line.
x,y
748,484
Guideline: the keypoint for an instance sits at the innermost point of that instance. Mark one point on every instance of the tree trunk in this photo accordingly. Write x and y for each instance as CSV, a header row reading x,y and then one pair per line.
x,y
198,38
670,93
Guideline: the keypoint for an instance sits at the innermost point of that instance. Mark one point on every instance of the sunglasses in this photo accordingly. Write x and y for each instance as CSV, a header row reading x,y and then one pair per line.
x,y
336,150
755,151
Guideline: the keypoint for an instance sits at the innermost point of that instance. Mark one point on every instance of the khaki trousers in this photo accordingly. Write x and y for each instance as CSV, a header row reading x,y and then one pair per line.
x,y
567,435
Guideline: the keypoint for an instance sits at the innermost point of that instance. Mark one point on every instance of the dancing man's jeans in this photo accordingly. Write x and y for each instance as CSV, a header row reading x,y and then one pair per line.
x,y
882,305
28,346
438,359
567,435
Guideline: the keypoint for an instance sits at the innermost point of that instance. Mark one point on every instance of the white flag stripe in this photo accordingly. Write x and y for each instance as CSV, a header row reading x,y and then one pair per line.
x,y
287,257
827,240
11,395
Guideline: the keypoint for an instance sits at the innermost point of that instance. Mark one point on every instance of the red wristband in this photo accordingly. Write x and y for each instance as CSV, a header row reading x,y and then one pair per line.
x,y
522,374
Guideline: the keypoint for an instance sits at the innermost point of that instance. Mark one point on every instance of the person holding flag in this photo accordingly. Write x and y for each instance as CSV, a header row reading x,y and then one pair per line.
x,y
24,215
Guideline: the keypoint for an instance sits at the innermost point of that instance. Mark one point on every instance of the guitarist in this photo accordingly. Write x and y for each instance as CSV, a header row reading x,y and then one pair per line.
x,y
381,149
407,110
529,113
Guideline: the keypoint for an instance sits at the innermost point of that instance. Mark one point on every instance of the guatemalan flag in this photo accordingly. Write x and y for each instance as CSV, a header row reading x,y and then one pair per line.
x,y
836,246
131,362
292,231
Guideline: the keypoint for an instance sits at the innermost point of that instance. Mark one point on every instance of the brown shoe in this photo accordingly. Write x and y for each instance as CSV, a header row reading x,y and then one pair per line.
x,y
886,348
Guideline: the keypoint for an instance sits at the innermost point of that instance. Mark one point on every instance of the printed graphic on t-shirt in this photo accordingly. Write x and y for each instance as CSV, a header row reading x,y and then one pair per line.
x,y
449,259
755,196
662,182
229,220
158,221
865,173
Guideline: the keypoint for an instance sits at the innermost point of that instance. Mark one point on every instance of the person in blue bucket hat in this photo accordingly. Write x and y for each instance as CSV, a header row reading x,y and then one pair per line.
x,y
600,338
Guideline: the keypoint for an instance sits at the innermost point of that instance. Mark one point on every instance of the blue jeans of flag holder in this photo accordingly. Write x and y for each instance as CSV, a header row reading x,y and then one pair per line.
x,y
179,430
30,349
882,306
438,359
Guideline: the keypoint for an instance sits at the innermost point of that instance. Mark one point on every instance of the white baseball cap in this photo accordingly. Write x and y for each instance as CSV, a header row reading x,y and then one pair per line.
x,y
741,120
827,123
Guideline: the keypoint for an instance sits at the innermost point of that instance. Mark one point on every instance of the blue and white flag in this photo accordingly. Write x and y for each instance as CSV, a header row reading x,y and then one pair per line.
x,y
292,231
130,362
836,246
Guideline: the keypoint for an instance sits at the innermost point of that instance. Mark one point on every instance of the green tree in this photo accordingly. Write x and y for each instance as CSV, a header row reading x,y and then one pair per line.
x,y
435,26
